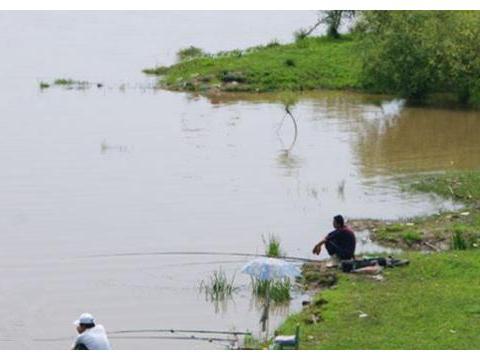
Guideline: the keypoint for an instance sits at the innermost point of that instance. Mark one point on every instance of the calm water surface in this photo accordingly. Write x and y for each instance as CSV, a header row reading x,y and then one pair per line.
x,y
180,173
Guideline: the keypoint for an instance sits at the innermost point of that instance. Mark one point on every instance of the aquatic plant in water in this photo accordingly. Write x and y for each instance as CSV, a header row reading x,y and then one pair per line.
x,y
218,286
272,245
277,291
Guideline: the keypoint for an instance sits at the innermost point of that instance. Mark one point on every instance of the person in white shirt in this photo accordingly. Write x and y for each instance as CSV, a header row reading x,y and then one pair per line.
x,y
90,336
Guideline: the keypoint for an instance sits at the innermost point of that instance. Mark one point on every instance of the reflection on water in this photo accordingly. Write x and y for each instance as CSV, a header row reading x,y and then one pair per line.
x,y
198,174
419,139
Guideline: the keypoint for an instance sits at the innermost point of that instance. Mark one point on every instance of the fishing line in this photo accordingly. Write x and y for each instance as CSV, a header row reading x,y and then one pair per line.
x,y
214,253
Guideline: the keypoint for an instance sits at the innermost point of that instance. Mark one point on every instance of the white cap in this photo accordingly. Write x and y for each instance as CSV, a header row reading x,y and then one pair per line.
x,y
85,319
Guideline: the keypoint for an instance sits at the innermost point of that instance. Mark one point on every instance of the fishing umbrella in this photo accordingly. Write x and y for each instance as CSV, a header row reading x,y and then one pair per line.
x,y
268,269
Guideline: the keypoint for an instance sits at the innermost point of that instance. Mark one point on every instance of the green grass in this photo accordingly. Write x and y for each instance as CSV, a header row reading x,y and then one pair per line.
x,y
310,63
272,245
278,291
458,229
430,304
458,185
44,85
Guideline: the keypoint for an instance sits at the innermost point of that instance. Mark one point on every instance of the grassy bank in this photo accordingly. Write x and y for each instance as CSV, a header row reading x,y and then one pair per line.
x,y
310,63
431,304
458,229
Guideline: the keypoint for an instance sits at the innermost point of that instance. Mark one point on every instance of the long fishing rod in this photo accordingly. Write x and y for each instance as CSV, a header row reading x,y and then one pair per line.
x,y
217,253
173,331
193,337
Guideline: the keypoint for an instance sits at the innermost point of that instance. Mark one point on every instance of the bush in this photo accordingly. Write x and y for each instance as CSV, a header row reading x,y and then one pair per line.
x,y
416,53
189,53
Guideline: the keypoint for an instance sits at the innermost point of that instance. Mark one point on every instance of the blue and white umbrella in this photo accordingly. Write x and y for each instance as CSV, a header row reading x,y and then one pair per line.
x,y
270,268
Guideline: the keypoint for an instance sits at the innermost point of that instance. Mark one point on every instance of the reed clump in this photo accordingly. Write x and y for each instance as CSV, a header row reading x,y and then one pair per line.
x,y
218,286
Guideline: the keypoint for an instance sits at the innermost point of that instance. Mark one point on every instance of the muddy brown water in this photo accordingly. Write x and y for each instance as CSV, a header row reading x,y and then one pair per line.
x,y
179,172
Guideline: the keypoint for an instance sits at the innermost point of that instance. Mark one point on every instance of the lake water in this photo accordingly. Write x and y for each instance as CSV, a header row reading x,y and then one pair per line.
x,y
179,172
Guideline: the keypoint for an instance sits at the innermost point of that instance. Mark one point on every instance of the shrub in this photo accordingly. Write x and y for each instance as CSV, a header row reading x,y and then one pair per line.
x,y
189,53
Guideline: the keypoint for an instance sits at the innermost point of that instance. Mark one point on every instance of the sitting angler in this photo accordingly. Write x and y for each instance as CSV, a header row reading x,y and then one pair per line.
x,y
340,243
90,336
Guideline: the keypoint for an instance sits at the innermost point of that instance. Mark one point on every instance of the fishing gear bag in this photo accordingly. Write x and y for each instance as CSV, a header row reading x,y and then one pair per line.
x,y
351,265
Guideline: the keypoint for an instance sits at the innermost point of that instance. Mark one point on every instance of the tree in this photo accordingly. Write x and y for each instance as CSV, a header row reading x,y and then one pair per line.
x,y
333,19
417,53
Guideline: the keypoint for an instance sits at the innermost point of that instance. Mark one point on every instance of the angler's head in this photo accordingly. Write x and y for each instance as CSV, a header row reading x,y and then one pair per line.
x,y
84,322
338,222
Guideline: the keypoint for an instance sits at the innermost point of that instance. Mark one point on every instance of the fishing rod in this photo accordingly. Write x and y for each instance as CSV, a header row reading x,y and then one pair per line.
x,y
173,331
192,337
216,253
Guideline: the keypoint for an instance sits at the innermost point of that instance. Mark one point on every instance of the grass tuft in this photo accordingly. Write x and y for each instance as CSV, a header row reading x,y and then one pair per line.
x,y
272,245
218,287
278,291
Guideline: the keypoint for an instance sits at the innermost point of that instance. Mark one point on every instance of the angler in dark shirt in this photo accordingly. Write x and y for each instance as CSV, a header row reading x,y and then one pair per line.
x,y
340,242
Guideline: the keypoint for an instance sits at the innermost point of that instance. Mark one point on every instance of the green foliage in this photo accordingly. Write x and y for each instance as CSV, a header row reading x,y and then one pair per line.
x,y
218,287
158,71
334,18
189,53
411,237
430,304
417,53
458,185
272,245
44,85
278,291
64,82
319,63
464,237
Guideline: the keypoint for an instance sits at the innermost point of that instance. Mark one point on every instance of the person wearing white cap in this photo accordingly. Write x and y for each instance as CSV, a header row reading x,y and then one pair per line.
x,y
90,336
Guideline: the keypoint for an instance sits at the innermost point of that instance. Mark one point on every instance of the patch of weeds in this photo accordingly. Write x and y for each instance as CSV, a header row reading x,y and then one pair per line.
x,y
278,291
44,85
64,82
394,228
273,43
315,276
464,238
300,34
252,343
411,237
160,70
290,62
190,53
272,245
229,76
218,287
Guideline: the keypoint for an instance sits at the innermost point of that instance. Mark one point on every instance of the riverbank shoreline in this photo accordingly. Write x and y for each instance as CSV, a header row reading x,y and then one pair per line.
x,y
427,305
316,63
